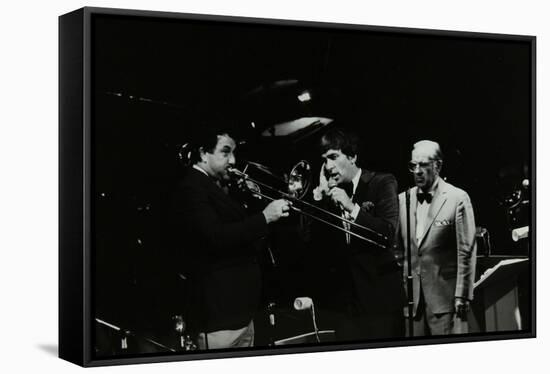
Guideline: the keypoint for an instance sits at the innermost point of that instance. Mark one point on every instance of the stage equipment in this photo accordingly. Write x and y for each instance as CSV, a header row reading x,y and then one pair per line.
x,y
483,240
306,303
298,183
520,233
517,206
185,341
499,292
127,341
410,296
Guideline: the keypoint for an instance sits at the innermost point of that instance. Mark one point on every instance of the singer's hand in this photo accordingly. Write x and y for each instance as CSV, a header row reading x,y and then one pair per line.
x,y
340,197
322,189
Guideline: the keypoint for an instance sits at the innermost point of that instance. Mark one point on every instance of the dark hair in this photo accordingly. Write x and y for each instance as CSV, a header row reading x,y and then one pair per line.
x,y
346,142
207,139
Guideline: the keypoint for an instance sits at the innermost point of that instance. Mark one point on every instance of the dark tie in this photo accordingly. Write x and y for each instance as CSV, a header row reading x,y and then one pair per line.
x,y
424,196
348,187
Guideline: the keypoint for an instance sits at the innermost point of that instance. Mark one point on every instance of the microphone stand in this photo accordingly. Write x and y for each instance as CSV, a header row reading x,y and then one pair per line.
x,y
272,327
410,297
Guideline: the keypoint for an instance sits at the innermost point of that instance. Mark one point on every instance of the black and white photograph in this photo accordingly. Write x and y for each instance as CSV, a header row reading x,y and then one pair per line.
x,y
262,184
274,187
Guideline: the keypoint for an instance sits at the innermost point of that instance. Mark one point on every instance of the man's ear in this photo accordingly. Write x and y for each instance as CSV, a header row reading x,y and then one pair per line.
x,y
202,154
439,165
353,159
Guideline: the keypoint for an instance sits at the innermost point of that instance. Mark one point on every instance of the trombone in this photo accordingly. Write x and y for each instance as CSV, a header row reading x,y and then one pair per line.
x,y
298,184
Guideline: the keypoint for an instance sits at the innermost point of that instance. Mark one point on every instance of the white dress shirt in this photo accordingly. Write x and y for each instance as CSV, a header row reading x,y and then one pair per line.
x,y
422,213
353,215
196,167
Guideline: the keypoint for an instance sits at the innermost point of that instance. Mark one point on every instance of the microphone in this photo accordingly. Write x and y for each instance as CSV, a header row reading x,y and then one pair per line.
x,y
306,303
331,184
236,172
520,233
302,303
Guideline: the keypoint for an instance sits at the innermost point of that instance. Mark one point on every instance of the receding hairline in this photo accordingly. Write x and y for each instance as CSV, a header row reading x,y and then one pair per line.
x,y
432,147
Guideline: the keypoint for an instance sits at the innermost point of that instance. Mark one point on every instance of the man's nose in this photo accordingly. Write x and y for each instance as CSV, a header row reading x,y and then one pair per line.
x,y
232,159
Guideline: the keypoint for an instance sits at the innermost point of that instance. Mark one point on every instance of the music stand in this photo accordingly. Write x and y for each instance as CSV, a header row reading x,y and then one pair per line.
x,y
497,303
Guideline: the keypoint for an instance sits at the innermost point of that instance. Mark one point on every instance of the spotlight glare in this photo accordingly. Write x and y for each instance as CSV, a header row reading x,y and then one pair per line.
x,y
305,96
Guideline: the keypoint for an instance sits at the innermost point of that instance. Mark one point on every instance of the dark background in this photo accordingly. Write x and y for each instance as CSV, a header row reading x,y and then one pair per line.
x,y
155,81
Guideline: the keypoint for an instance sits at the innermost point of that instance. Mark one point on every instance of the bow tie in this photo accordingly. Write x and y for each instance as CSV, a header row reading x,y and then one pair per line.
x,y
424,196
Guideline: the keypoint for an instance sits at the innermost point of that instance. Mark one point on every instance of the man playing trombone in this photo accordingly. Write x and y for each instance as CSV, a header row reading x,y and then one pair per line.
x,y
218,238
358,278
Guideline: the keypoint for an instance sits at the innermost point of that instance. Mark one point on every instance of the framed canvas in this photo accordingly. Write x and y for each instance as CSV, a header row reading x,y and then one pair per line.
x,y
235,187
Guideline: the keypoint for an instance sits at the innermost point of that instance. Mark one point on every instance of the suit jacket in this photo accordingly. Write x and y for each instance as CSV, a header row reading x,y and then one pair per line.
x,y
362,275
218,254
443,261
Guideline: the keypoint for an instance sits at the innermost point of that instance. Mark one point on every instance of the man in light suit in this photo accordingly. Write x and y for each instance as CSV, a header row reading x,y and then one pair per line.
x,y
443,248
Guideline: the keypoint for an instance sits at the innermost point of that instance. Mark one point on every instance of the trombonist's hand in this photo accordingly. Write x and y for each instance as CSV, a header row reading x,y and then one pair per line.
x,y
241,184
245,185
275,210
322,189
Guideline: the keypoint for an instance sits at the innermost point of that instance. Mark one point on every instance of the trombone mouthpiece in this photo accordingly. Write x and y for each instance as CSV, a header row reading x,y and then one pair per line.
x,y
236,172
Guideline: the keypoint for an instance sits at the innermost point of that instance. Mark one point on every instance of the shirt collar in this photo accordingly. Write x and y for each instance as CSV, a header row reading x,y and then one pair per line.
x,y
432,188
196,167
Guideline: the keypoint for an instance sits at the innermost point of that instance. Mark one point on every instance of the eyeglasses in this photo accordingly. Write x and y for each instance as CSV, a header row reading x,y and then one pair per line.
x,y
421,165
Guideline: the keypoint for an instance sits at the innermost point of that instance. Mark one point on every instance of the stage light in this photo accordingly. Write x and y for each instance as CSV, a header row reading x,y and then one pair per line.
x,y
304,96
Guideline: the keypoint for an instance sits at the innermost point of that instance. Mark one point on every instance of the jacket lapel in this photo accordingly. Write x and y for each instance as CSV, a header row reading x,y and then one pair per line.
x,y
233,205
360,195
438,200
220,195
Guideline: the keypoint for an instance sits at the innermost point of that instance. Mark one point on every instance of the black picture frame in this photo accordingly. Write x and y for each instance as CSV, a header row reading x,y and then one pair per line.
x,y
78,148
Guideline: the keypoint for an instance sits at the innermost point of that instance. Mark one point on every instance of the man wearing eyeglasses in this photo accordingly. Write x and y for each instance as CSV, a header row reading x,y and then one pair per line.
x,y
443,248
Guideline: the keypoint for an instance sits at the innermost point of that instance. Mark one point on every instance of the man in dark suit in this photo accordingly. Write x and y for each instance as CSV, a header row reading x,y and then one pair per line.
x,y
443,247
359,281
218,241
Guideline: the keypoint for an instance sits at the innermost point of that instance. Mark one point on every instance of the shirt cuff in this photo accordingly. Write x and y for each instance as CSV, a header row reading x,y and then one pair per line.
x,y
355,212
